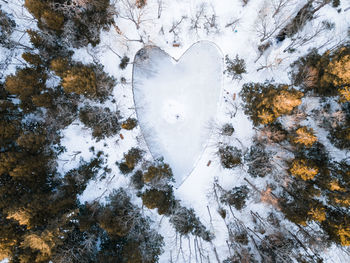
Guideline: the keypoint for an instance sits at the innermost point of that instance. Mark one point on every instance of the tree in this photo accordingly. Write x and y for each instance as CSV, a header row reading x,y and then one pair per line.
x,y
235,68
77,22
304,136
235,197
324,74
80,80
158,172
88,80
229,156
344,94
130,160
266,102
47,18
258,160
163,200
103,122
118,216
186,222
303,169
26,83
7,26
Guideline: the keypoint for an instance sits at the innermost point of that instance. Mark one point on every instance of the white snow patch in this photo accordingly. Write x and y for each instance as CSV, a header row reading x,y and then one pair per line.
x,y
175,102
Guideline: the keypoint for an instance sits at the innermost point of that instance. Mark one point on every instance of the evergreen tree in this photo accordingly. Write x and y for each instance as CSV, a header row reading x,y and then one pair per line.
x,y
304,136
303,169
266,102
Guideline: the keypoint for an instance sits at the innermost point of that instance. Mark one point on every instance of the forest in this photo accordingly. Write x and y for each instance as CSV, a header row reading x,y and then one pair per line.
x,y
282,195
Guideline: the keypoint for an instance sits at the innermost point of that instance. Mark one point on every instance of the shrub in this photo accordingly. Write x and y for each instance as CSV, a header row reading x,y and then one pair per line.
x,y
137,180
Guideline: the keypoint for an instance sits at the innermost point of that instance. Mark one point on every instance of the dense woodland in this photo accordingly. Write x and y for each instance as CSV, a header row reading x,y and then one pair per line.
x,y
45,95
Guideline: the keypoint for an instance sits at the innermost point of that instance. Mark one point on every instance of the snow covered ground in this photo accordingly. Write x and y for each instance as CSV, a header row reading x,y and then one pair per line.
x,y
176,101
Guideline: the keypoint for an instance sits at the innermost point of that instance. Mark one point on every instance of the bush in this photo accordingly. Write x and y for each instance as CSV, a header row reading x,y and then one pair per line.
x,y
235,68
137,180
229,156
335,3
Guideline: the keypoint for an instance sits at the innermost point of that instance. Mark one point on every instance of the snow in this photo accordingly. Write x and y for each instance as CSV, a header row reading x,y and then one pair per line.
x,y
176,101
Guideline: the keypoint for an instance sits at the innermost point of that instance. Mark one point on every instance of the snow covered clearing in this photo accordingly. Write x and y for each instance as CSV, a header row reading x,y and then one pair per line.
x,y
176,101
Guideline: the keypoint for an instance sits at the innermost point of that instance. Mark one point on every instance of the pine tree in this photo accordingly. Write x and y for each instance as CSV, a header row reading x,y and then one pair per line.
x,y
344,94
304,136
80,80
264,103
158,172
303,170
162,200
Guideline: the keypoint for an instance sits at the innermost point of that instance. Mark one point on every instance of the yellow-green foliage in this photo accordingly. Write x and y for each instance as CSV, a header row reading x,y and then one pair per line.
x,y
77,79
80,80
264,103
344,94
45,15
305,136
301,169
344,235
318,214
285,101
59,66
338,71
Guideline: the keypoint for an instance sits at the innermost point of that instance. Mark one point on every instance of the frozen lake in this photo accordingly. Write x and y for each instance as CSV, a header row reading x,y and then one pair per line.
x,y
176,100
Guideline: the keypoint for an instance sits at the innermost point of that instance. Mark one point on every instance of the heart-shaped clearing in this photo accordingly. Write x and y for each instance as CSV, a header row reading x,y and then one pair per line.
x,y
176,100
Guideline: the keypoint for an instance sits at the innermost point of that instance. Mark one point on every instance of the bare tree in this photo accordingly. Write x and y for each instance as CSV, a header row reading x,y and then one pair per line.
x,y
303,38
160,7
130,11
196,20
175,29
269,22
